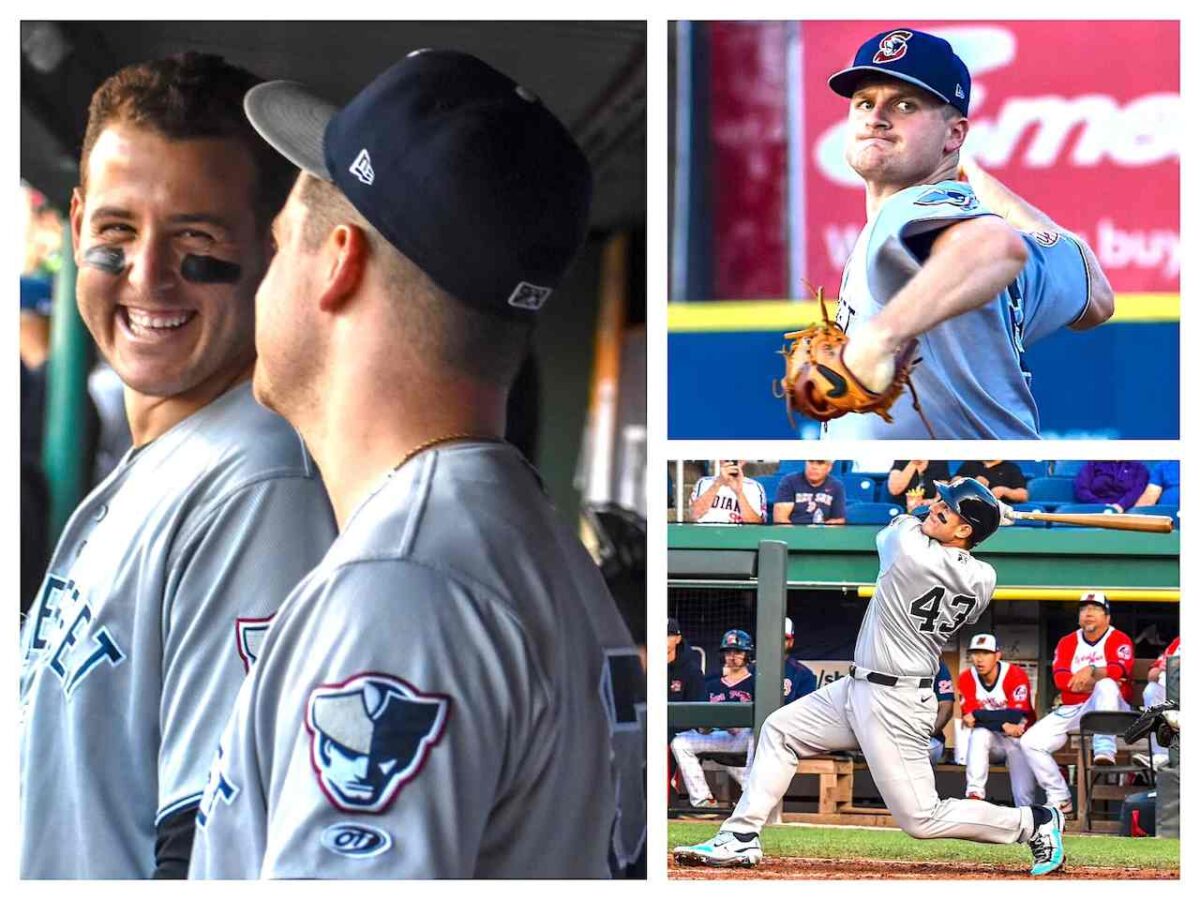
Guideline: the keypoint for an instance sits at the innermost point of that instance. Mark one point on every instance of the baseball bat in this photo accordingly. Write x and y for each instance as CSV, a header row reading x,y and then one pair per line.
x,y
1114,521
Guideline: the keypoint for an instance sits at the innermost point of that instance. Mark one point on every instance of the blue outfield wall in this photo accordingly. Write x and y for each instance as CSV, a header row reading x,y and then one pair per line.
x,y
1120,380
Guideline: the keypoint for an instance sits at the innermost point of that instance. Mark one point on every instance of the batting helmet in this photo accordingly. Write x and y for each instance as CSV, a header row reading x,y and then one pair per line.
x,y
975,504
736,639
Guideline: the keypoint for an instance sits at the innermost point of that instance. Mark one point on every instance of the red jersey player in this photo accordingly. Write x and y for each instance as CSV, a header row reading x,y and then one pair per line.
x,y
997,707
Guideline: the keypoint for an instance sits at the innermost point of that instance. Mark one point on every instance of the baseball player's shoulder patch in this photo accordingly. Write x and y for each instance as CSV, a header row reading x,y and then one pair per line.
x,y
959,196
1046,237
370,735
251,633
355,840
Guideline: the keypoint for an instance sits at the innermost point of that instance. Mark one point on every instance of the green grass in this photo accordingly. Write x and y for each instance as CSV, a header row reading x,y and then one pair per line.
x,y
859,843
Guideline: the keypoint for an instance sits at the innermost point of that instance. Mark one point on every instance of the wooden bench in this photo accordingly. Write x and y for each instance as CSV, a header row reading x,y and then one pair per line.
x,y
835,792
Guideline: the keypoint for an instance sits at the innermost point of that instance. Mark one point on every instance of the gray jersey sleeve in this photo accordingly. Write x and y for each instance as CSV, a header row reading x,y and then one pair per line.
x,y
228,574
1053,285
391,732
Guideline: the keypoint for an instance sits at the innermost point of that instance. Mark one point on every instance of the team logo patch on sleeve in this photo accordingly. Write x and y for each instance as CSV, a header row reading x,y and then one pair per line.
x,y
250,636
1046,238
370,736
1021,693
951,196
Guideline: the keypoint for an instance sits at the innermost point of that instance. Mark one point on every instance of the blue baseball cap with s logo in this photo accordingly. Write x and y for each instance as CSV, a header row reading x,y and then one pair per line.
x,y
910,55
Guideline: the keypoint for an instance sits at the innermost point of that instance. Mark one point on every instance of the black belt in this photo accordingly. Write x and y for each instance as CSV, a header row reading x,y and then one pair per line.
x,y
890,680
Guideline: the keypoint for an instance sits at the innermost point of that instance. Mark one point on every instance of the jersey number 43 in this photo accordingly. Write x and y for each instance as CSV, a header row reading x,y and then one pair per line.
x,y
928,610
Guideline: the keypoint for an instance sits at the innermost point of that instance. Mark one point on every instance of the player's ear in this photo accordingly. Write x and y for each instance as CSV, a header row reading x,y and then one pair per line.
x,y
963,532
956,135
76,217
346,251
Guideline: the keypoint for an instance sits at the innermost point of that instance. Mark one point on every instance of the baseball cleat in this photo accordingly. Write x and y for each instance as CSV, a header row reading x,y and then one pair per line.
x,y
706,803
974,796
1047,844
724,851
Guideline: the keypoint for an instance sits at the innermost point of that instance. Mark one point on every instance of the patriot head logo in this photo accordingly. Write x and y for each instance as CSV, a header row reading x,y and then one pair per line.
x,y
952,196
892,47
370,736
1020,693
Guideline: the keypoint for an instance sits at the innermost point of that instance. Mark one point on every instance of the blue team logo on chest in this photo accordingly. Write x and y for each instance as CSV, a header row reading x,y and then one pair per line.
x,y
951,196
370,736
63,637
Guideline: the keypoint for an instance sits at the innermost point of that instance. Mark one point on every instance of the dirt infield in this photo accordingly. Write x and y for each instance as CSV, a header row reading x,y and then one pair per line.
x,y
846,869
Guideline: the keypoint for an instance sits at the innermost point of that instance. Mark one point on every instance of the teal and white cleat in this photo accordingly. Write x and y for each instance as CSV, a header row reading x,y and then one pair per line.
x,y
1047,845
726,850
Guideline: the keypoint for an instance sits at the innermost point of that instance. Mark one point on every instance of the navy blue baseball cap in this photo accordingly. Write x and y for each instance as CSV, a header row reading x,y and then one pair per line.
x,y
460,168
914,56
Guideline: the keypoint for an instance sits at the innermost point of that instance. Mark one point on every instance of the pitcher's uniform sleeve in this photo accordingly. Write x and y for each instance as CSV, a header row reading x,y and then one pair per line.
x,y
1053,284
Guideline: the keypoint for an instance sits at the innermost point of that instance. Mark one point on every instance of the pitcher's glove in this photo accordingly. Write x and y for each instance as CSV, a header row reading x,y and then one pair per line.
x,y
817,382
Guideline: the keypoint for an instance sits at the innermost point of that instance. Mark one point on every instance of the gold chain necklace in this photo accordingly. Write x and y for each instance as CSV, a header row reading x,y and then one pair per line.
x,y
446,438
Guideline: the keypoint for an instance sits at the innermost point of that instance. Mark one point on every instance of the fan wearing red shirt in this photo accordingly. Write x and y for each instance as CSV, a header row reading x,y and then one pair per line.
x,y
1093,668
1156,693
997,707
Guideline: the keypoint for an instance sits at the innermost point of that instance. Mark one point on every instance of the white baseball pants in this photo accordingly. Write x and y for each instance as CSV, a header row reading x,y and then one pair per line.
x,y
1048,735
891,726
985,747
688,745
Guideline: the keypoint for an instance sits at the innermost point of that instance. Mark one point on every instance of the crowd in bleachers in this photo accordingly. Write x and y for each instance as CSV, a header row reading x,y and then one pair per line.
x,y
828,492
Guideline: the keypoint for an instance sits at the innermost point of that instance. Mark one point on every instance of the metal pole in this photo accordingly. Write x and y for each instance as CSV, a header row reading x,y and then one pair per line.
x,y
768,641
66,396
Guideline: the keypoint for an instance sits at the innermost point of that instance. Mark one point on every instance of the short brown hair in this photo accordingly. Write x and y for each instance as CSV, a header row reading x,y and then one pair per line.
x,y
190,95
464,338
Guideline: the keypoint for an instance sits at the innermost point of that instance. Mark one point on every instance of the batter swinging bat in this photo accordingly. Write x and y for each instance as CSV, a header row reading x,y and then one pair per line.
x,y
1117,522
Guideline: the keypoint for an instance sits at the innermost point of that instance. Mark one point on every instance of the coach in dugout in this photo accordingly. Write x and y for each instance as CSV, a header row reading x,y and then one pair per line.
x,y
160,591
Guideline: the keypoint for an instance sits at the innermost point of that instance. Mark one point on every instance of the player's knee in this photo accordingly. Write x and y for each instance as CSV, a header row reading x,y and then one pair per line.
x,y
1031,742
920,825
1106,691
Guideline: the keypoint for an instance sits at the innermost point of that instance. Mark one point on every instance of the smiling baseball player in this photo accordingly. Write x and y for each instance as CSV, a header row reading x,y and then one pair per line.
x,y
929,587
165,578
949,259
451,692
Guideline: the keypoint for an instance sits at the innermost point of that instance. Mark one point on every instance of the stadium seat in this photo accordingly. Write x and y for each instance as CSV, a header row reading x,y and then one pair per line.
x,y
1030,507
1060,490
794,465
871,513
1034,468
1066,468
770,483
859,488
1160,509
1084,508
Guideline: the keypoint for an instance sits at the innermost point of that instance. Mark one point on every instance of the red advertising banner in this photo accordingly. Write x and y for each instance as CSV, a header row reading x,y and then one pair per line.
x,y
748,91
1082,119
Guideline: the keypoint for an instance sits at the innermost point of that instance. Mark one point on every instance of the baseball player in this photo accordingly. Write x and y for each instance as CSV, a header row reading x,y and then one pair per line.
x,y
451,692
729,497
1093,668
734,685
166,577
949,258
1155,693
929,586
997,707
943,689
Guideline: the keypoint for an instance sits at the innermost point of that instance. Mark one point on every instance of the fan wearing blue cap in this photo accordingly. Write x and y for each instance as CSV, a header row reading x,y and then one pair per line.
x,y
950,258
452,693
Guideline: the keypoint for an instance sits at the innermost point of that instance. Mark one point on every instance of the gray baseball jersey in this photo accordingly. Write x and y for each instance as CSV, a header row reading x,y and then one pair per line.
x,y
924,594
972,381
155,602
451,693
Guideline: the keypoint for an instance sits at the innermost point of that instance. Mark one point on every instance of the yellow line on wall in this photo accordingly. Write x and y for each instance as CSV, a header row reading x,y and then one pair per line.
x,y
786,315
1147,595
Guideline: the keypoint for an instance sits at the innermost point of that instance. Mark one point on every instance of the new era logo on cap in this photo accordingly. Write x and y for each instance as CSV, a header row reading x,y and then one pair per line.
x,y
361,167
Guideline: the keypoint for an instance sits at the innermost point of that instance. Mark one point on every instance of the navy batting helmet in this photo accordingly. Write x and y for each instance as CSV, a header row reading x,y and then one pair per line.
x,y
975,504
736,639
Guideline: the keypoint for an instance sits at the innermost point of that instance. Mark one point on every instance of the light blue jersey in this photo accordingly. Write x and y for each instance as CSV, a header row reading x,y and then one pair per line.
x,y
972,381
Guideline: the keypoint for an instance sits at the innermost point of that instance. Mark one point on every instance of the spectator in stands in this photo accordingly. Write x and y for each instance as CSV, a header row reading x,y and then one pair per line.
x,y
811,497
685,681
997,707
1093,668
944,688
1163,486
911,481
1004,479
736,685
798,679
728,497
1117,482
1155,693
